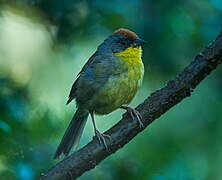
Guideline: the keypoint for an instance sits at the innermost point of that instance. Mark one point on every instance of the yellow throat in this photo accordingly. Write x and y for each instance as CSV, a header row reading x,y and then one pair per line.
x,y
131,55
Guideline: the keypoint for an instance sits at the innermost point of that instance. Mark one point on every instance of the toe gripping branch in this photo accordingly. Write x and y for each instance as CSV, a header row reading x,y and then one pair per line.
x,y
136,116
101,137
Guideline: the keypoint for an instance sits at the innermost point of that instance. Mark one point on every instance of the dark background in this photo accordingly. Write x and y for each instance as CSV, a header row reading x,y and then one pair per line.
x,y
44,44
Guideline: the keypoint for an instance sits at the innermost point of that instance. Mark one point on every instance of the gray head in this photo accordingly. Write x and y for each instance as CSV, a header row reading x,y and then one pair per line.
x,y
120,40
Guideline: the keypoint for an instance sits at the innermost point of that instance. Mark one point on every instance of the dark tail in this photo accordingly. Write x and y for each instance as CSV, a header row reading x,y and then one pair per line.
x,y
73,133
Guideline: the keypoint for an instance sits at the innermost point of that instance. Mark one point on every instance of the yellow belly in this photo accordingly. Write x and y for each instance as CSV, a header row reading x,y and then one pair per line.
x,y
121,89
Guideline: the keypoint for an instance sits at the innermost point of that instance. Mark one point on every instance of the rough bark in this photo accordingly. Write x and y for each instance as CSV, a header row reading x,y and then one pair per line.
x,y
153,107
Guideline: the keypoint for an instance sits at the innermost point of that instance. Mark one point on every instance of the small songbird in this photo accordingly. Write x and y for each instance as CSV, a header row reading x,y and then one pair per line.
x,y
108,81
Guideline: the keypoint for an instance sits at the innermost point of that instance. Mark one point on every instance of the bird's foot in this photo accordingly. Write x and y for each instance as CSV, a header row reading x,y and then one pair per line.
x,y
136,116
102,138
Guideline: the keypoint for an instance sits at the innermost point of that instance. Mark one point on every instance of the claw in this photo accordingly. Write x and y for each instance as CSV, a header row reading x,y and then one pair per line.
x,y
102,138
136,116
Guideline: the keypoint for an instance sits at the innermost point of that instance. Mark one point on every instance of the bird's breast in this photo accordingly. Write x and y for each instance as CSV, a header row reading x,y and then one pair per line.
x,y
130,80
132,62
122,87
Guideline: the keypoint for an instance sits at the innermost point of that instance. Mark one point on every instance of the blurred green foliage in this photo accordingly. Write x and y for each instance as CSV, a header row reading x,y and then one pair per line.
x,y
43,45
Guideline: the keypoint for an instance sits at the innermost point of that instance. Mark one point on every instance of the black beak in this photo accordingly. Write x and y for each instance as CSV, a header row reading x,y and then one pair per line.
x,y
138,42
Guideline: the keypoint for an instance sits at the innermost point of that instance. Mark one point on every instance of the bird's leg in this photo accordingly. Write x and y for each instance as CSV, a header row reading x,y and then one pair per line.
x,y
134,114
101,137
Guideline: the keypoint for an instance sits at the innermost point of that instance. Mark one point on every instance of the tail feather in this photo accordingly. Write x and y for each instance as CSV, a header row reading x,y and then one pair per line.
x,y
73,133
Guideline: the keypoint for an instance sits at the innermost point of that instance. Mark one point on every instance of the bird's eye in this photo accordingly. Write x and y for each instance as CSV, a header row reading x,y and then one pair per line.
x,y
123,42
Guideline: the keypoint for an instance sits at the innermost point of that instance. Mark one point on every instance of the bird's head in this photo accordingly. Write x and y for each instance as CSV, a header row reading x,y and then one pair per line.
x,y
121,40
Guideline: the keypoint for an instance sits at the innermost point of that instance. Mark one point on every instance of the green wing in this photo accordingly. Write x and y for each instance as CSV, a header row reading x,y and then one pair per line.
x,y
94,74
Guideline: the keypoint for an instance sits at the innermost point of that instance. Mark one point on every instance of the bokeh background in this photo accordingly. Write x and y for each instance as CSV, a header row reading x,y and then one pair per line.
x,y
44,44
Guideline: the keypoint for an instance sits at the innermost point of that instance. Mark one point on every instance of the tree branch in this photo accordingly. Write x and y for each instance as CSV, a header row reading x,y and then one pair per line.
x,y
153,107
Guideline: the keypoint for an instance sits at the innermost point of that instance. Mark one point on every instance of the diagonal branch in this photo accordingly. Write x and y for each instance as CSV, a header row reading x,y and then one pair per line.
x,y
153,107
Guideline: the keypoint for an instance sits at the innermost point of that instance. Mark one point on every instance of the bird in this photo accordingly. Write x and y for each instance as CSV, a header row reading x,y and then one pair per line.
x,y
108,81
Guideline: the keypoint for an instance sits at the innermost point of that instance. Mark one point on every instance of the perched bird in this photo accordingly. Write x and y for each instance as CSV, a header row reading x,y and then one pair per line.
x,y
108,81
